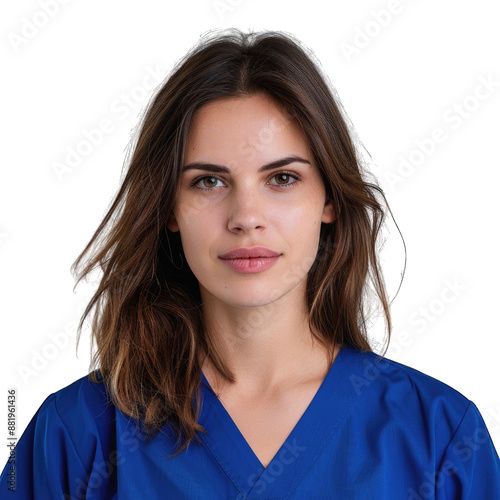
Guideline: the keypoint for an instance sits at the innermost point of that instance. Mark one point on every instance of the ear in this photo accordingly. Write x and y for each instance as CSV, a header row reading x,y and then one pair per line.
x,y
328,212
172,223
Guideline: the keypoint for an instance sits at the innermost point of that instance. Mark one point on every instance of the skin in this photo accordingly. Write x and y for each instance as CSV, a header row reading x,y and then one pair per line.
x,y
258,321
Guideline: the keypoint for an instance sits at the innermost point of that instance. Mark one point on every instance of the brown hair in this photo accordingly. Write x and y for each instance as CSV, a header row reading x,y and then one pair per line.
x,y
148,323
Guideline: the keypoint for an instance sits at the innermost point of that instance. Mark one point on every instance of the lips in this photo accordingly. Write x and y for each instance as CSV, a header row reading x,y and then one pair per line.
x,y
250,260
249,253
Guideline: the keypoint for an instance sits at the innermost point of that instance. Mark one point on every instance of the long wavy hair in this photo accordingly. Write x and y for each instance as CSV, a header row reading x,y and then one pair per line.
x,y
148,322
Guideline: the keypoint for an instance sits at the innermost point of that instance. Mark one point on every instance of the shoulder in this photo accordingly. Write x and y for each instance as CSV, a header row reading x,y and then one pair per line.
x,y
422,420
371,368
418,378
72,432
406,393
81,411
82,395
414,404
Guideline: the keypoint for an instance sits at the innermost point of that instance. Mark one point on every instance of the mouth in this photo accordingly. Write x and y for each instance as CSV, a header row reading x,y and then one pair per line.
x,y
250,260
252,265
249,253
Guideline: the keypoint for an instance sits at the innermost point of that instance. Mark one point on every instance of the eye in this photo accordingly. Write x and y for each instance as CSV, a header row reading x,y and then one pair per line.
x,y
206,182
283,179
209,182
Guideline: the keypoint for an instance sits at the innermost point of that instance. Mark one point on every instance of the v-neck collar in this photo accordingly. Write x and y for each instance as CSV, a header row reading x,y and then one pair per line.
x,y
302,447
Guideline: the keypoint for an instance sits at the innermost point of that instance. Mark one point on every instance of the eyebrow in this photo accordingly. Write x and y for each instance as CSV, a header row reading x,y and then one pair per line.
x,y
220,169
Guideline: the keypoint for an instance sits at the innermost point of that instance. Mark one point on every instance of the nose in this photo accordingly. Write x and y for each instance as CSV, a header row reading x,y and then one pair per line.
x,y
246,211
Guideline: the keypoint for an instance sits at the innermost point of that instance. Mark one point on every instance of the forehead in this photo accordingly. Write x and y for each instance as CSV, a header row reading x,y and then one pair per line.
x,y
244,128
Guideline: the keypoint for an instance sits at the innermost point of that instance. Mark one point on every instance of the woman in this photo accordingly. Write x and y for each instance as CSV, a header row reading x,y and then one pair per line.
x,y
232,352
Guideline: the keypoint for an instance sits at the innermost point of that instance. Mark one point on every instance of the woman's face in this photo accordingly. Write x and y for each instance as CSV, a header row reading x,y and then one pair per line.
x,y
230,198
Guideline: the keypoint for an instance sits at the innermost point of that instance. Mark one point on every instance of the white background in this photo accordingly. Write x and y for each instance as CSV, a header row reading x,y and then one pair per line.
x,y
402,69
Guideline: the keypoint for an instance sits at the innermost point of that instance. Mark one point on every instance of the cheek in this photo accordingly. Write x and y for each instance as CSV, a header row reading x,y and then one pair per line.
x,y
303,225
197,228
303,217
189,212
191,205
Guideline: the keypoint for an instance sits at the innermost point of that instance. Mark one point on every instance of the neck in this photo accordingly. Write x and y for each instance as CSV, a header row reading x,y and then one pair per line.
x,y
265,346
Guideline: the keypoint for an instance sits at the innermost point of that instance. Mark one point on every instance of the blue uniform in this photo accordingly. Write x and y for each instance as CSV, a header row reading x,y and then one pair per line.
x,y
372,431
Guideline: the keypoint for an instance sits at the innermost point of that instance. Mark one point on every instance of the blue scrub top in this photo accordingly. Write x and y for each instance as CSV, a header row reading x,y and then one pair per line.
x,y
372,431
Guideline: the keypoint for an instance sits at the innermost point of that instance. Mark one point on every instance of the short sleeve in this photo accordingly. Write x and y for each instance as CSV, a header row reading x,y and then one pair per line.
x,y
59,459
470,469
45,463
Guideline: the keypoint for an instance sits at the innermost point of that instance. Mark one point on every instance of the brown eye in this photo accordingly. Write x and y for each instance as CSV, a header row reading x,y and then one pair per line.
x,y
282,178
209,182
